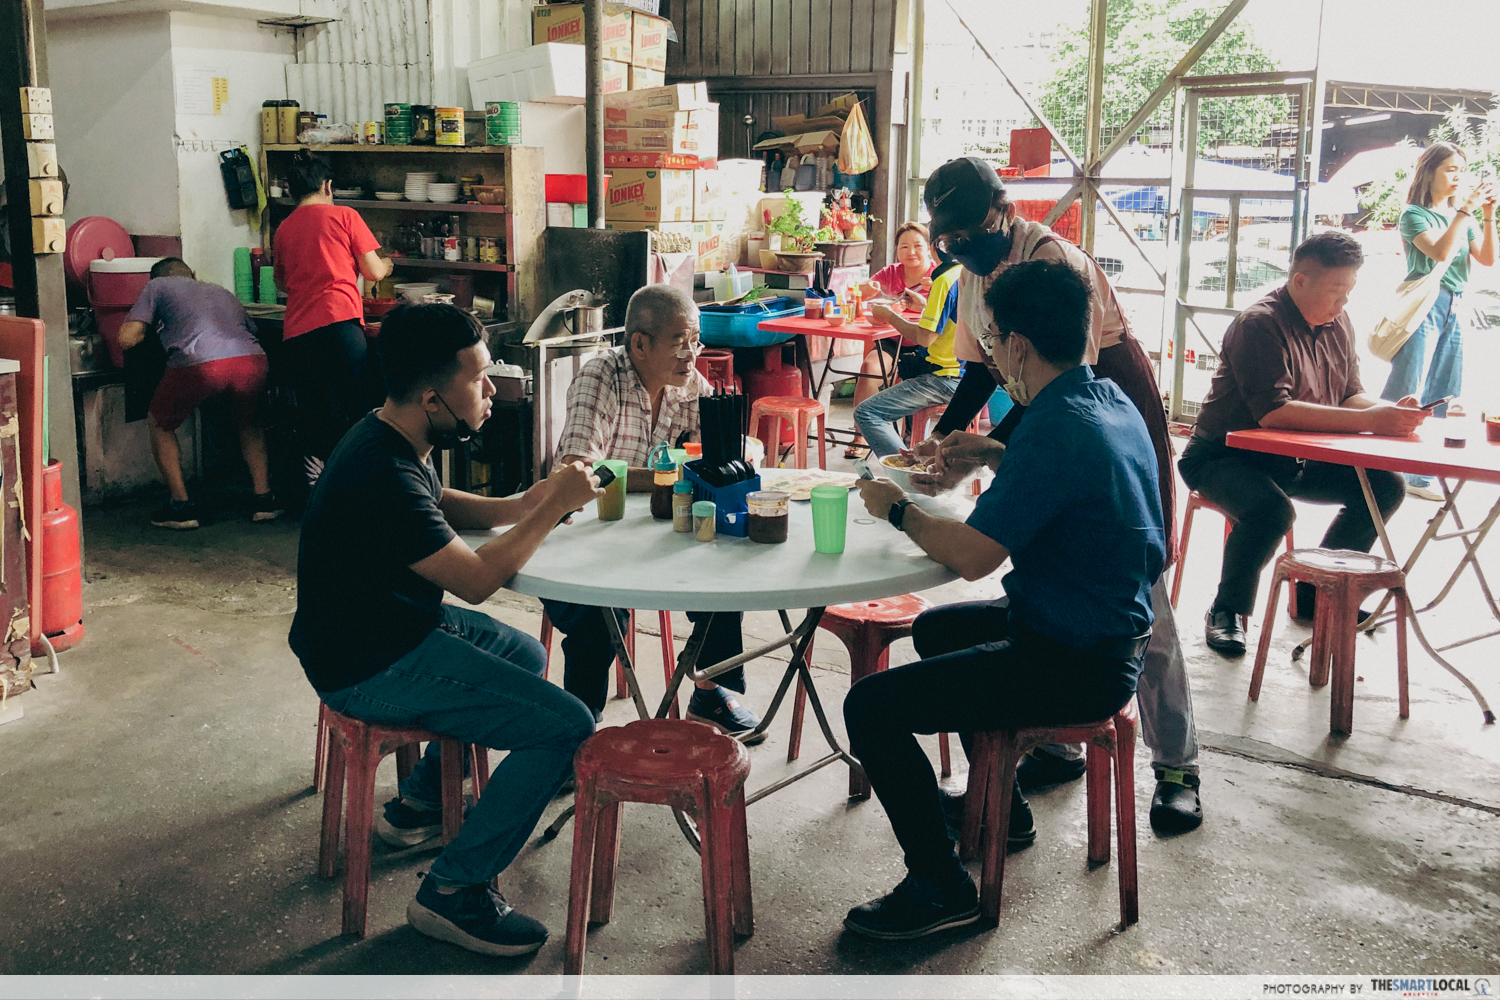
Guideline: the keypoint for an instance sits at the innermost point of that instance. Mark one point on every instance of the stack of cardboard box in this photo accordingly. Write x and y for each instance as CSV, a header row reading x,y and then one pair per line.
x,y
635,42
662,148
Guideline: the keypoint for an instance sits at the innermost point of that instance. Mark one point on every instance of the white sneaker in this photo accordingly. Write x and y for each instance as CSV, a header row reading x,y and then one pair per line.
x,y
1424,493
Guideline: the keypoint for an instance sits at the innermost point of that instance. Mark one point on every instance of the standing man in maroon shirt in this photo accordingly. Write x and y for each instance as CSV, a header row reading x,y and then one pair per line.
x,y
1289,363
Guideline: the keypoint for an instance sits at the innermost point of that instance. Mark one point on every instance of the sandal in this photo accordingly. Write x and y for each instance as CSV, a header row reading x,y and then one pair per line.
x,y
856,451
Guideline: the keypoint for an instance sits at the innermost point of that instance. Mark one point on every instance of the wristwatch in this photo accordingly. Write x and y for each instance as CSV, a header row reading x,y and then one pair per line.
x,y
897,513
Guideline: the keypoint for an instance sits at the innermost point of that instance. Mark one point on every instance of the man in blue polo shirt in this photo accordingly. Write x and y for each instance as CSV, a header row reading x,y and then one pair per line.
x,y
1076,509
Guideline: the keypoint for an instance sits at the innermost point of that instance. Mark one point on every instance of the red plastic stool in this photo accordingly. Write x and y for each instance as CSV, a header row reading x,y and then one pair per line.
x,y
867,629
925,419
797,410
672,763
1195,501
992,775
355,750
1343,579
622,690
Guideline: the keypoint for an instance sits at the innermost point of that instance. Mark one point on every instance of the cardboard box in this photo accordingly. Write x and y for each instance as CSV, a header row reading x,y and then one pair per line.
x,y
650,196
676,97
707,239
649,46
559,215
652,118
662,140
563,22
646,79
616,77
708,196
658,161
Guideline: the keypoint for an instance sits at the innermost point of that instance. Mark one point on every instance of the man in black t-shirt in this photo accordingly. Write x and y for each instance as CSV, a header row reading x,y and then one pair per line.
x,y
378,550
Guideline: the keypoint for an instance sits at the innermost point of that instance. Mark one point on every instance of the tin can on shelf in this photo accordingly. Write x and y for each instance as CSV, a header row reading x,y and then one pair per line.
x,y
450,248
466,187
270,123
471,248
306,120
373,133
448,126
286,122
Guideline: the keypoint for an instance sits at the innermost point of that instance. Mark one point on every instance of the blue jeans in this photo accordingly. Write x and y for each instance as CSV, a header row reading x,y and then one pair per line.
x,y
479,681
1445,372
875,415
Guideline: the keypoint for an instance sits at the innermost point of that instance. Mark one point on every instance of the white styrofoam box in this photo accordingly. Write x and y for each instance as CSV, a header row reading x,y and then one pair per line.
x,y
559,214
552,73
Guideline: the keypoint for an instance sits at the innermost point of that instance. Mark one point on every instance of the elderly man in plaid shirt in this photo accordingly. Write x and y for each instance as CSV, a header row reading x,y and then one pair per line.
x,y
621,404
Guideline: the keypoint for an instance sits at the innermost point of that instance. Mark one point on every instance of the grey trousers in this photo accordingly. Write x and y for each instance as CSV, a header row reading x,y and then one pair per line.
x,y
1163,696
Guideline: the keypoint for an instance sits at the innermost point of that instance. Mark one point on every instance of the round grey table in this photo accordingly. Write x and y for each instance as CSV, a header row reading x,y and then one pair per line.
x,y
639,562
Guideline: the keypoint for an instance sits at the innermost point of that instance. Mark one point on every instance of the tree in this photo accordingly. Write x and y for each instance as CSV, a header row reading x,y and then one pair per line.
x,y
1145,39
1479,138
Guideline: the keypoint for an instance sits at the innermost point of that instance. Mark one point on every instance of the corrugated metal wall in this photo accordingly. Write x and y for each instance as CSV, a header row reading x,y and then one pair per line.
x,y
465,30
377,51
781,37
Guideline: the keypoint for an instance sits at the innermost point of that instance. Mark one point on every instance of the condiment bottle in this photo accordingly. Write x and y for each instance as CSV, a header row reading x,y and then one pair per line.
x,y
694,452
770,514
682,506
704,513
663,478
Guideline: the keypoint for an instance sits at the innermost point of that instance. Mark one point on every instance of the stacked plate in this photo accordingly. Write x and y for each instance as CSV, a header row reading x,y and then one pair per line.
x,y
502,123
389,195
417,184
398,124
442,193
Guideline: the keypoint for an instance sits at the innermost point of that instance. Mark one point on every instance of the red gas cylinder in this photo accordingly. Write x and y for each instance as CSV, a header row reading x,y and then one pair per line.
x,y
774,379
62,570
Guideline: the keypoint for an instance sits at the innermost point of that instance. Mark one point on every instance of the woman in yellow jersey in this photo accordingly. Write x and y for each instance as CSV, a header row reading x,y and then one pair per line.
x,y
929,370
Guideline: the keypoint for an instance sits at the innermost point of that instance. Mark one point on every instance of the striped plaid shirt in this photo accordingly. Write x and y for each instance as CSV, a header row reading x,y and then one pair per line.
x,y
609,412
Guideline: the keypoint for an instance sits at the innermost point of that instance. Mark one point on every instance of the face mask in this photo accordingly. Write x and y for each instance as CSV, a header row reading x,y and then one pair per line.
x,y
983,253
460,433
1015,385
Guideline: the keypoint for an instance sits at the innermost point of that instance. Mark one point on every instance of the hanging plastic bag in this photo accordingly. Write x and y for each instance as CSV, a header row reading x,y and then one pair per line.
x,y
856,148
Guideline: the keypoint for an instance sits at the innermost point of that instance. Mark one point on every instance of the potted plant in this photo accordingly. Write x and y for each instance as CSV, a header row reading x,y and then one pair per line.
x,y
842,240
798,252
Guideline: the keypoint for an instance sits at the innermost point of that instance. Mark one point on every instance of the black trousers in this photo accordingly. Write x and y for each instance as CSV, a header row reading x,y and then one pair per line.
x,y
588,652
1257,491
979,671
332,376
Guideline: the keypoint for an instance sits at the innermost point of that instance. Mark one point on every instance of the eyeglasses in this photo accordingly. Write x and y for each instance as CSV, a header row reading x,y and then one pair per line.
x,y
689,349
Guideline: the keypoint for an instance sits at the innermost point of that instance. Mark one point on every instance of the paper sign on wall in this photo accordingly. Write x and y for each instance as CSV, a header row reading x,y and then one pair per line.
x,y
199,92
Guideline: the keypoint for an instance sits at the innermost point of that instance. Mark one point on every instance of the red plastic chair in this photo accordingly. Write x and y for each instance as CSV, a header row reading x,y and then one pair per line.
x,y
622,689
992,774
1343,579
867,629
672,763
355,750
1195,501
798,411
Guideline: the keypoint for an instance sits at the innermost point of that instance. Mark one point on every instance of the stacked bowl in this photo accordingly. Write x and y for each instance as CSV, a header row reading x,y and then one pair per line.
x,y
502,123
417,185
444,194
398,124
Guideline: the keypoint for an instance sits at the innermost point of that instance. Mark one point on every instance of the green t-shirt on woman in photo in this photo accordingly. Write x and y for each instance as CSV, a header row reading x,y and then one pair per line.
x,y
1417,219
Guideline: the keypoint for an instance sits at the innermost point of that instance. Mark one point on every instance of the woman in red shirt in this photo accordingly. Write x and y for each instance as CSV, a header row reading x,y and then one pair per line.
x,y
909,276
321,251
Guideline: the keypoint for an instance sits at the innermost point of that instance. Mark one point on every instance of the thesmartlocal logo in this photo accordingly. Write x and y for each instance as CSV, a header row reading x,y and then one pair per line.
x,y
1430,986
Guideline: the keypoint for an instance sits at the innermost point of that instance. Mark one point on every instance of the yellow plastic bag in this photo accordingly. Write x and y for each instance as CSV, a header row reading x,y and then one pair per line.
x,y
856,148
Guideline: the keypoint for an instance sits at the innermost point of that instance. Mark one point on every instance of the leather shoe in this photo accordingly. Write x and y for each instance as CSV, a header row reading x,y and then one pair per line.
x,y
1041,769
1307,605
1224,632
1175,808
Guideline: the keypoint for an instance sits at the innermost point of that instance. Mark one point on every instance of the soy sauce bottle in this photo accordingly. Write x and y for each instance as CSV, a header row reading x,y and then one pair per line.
x,y
663,478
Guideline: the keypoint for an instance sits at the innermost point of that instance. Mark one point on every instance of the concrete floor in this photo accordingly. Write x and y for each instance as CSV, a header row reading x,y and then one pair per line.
x,y
159,817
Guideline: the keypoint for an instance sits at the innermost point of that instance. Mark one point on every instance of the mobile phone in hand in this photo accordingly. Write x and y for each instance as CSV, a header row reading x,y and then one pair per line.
x,y
1437,402
606,476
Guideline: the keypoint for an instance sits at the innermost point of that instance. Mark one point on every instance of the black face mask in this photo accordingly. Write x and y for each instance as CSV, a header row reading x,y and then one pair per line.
x,y
983,253
443,440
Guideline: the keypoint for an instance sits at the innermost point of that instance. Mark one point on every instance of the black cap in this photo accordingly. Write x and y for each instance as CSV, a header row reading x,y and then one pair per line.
x,y
959,194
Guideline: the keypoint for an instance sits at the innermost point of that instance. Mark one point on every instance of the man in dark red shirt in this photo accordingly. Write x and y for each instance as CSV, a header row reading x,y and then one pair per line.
x,y
1289,363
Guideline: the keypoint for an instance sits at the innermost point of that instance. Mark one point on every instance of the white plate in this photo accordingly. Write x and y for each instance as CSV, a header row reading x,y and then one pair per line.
x,y
390,195
349,194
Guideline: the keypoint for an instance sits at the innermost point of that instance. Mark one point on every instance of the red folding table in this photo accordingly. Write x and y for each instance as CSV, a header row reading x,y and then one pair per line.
x,y
866,331
1424,454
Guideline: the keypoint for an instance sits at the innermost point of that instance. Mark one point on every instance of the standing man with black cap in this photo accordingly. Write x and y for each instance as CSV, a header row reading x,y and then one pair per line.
x,y
974,222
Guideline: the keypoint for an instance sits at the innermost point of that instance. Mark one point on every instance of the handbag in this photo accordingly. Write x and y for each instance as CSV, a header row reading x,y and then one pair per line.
x,y
1415,298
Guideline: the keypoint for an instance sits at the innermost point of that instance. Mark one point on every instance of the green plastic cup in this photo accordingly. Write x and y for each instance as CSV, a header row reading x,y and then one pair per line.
x,y
830,514
612,503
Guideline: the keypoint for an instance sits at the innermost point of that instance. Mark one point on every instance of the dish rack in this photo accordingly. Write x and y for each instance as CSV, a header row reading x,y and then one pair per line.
x,y
731,512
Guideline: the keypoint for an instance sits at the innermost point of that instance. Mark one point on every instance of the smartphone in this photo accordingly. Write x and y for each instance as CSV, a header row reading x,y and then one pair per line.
x,y
606,476
1438,402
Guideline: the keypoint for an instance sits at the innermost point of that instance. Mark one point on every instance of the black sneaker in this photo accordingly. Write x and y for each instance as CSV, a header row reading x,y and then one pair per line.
x,y
265,508
407,823
1307,605
1224,632
475,917
1022,832
1175,807
717,707
177,516
915,908
1041,769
